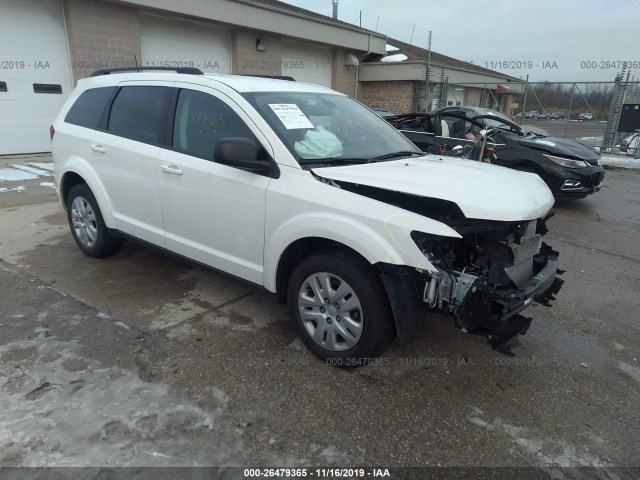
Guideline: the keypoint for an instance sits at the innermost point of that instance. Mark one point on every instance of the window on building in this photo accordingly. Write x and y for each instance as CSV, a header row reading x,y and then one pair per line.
x,y
137,113
201,120
88,108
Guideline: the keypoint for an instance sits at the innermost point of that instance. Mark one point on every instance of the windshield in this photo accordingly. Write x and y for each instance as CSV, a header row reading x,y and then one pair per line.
x,y
488,121
322,128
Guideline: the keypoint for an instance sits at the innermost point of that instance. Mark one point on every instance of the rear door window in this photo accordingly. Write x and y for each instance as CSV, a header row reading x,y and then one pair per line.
x,y
89,106
137,113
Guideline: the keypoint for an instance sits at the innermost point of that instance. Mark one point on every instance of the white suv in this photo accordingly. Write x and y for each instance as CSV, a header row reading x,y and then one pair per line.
x,y
303,192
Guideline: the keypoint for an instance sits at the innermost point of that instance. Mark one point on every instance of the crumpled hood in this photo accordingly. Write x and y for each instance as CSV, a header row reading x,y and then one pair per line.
x,y
563,147
482,191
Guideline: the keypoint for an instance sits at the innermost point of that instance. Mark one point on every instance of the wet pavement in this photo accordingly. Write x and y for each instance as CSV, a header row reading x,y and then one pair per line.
x,y
142,360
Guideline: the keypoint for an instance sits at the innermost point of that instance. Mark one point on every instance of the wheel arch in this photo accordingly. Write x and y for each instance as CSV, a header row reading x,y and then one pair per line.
x,y
295,252
78,172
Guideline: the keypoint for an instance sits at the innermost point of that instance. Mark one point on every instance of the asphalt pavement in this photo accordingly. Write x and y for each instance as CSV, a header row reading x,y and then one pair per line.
x,y
142,360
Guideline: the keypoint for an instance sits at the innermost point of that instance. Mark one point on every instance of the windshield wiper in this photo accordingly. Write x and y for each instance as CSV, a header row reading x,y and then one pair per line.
x,y
401,153
337,161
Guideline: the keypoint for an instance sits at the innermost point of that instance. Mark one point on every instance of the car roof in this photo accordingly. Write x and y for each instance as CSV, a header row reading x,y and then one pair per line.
x,y
239,83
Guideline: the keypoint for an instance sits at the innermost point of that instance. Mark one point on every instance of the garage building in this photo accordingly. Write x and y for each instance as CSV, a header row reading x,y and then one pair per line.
x,y
47,45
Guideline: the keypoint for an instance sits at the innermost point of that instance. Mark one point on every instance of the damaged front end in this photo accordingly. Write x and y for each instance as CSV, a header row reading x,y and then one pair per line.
x,y
489,276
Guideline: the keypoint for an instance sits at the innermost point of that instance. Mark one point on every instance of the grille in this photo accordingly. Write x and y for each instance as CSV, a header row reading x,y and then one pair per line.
x,y
596,179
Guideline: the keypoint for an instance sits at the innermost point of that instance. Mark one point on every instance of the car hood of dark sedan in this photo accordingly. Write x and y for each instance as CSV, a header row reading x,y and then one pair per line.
x,y
563,147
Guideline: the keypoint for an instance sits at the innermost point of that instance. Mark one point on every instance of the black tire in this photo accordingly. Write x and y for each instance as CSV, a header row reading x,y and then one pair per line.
x,y
377,326
91,235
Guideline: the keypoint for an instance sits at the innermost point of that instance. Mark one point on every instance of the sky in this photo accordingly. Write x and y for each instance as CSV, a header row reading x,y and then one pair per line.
x,y
554,40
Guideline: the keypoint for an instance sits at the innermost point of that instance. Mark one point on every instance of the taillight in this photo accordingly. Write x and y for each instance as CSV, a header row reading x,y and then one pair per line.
x,y
52,132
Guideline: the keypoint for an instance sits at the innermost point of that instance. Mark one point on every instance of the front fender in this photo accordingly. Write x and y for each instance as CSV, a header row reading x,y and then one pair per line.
x,y
379,232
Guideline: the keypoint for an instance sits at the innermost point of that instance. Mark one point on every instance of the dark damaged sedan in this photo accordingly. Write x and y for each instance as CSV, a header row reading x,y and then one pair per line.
x,y
569,168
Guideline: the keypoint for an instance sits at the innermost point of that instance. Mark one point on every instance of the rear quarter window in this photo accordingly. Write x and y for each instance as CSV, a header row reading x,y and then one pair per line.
x,y
137,113
89,106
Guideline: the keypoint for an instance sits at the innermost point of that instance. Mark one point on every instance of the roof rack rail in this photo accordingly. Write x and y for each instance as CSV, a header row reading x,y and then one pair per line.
x,y
109,71
275,77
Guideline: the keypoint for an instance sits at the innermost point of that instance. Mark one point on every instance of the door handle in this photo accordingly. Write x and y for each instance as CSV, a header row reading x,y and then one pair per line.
x,y
98,148
171,169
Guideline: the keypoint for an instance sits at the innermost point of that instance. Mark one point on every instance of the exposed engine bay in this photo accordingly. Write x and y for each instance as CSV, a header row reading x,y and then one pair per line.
x,y
491,275
484,280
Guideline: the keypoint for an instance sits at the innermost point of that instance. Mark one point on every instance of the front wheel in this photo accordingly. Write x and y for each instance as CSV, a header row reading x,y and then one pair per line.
x,y
86,223
339,308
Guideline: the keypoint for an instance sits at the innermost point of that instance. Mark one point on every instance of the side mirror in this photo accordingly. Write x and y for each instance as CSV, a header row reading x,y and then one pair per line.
x,y
239,152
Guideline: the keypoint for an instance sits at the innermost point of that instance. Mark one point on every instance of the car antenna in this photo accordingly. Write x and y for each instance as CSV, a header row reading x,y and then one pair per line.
x,y
135,60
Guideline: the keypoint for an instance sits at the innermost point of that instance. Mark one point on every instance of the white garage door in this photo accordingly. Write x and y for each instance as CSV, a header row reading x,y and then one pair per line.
x,y
172,43
307,63
35,78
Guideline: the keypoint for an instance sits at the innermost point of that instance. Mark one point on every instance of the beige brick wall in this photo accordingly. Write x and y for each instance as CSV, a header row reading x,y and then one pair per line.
x,y
101,35
246,60
396,97
472,97
343,78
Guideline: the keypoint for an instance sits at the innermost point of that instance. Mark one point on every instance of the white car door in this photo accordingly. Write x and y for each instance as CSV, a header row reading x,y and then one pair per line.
x,y
213,213
125,158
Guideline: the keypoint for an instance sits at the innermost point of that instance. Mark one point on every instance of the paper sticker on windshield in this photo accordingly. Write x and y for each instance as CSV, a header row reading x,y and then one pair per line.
x,y
546,142
291,116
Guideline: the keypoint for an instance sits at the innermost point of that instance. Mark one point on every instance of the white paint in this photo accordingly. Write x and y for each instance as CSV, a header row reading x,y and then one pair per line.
x,y
33,41
480,190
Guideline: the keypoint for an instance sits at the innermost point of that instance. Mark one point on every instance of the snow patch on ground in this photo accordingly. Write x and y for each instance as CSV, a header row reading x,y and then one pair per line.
x,y
31,169
589,139
27,171
624,162
19,188
8,174
552,455
98,416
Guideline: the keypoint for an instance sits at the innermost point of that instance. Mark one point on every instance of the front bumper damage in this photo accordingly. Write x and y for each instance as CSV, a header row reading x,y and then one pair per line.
x,y
496,311
489,304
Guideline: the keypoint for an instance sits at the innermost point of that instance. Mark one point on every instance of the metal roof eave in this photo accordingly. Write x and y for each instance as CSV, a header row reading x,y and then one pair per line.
x,y
271,19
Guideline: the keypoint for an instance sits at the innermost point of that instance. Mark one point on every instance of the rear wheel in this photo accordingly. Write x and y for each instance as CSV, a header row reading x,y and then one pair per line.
x,y
87,226
339,308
